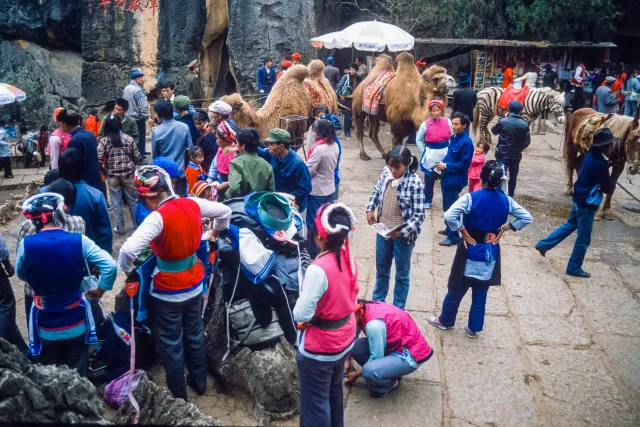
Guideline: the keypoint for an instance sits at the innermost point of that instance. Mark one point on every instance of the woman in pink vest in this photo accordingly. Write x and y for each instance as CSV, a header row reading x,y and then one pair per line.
x,y
58,141
394,347
326,321
433,141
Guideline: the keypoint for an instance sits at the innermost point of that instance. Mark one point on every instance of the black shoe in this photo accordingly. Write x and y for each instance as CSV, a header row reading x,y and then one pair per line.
x,y
580,273
195,388
542,251
9,177
376,395
442,232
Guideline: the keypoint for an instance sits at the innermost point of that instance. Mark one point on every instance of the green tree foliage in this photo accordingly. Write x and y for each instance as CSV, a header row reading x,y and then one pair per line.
x,y
587,20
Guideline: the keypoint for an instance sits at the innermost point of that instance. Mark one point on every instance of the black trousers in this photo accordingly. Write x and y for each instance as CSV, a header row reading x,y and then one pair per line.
x,y
72,352
179,329
512,167
180,187
43,156
578,98
142,138
8,328
5,162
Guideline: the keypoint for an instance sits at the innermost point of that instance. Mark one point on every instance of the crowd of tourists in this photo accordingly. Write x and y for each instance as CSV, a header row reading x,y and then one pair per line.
x,y
211,185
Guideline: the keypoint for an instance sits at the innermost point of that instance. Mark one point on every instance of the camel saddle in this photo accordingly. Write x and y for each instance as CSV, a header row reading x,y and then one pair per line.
x,y
373,94
619,126
512,94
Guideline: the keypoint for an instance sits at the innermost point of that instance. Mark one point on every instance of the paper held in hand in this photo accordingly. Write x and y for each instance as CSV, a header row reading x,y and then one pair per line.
x,y
384,230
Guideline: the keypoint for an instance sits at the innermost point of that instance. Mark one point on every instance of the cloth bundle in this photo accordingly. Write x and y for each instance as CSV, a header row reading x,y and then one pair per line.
x,y
373,92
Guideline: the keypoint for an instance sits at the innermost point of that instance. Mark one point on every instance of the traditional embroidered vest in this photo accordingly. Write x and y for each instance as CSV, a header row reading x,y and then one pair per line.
x,y
437,130
179,269
402,330
336,303
64,139
584,76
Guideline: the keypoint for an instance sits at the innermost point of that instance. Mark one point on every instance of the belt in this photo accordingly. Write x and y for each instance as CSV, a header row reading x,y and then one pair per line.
x,y
329,325
483,236
176,266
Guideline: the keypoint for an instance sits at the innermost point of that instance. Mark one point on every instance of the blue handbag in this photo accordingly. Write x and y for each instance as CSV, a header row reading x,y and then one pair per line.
x,y
595,196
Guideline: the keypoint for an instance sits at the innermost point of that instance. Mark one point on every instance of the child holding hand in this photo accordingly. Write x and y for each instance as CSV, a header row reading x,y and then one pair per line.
x,y
477,163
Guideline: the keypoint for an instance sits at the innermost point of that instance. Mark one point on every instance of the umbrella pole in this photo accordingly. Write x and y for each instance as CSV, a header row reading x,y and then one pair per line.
x,y
352,60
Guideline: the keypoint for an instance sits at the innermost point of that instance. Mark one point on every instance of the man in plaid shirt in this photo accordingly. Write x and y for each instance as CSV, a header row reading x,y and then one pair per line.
x,y
399,199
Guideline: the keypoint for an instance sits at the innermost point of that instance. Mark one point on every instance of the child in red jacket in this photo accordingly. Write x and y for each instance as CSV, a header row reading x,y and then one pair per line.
x,y
476,166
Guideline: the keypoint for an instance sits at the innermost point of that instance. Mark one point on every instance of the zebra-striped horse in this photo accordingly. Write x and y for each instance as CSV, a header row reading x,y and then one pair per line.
x,y
537,101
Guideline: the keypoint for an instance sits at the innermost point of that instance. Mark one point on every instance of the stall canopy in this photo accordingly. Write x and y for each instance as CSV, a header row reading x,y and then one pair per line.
x,y
369,36
9,94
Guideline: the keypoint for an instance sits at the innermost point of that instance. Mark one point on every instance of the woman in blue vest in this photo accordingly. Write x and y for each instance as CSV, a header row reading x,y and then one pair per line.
x,y
55,262
476,264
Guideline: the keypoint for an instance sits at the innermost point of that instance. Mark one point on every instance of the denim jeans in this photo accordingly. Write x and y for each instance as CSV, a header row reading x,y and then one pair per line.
x,y
429,182
452,301
119,187
348,117
180,332
580,219
630,107
142,138
512,167
388,250
321,398
313,204
449,197
380,374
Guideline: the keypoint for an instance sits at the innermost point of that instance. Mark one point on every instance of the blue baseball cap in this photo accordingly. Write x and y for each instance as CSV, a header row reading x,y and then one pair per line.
x,y
136,72
168,165
515,107
330,60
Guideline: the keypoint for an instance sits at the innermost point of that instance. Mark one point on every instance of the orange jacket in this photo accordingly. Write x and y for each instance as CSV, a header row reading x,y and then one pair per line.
x,y
508,78
92,124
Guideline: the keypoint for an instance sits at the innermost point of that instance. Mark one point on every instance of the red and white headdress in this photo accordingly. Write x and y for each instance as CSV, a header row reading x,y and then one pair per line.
x,y
322,219
437,102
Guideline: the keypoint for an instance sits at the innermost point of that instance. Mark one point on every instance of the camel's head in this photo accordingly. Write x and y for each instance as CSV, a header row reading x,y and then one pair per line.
x,y
435,78
315,67
241,113
450,81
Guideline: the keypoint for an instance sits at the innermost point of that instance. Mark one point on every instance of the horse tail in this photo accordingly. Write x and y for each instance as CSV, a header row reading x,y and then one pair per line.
x,y
476,120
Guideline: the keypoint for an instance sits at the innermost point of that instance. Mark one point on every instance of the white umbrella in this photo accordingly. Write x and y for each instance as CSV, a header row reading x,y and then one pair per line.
x,y
371,36
327,41
9,94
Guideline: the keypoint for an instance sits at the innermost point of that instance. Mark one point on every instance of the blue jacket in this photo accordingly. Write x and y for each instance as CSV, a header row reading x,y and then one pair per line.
x,y
193,130
266,80
170,139
85,141
594,172
291,175
458,160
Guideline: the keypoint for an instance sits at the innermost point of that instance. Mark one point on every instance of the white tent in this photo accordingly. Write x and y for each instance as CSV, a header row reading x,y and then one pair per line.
x,y
370,36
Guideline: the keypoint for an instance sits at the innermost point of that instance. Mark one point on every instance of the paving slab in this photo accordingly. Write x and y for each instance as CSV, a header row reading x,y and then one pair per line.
x,y
624,357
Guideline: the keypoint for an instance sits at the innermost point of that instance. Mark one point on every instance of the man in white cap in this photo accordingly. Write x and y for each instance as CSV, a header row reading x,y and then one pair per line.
x,y
138,107
221,111
194,88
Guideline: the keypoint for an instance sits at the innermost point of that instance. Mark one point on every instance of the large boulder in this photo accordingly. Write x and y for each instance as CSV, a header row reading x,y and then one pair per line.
x,y
158,406
31,393
260,29
270,375
50,79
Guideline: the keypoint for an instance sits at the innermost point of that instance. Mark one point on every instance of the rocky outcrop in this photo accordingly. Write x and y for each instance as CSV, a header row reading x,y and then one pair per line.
x,y
50,79
158,406
260,29
270,375
31,393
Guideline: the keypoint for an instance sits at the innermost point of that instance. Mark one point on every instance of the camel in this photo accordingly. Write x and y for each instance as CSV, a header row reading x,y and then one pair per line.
x,y
288,97
406,98
319,88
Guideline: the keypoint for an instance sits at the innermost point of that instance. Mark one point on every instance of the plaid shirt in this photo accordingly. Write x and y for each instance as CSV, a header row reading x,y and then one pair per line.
x,y
120,162
72,224
410,201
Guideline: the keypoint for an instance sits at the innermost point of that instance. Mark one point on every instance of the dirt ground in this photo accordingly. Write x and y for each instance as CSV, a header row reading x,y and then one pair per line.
x,y
555,351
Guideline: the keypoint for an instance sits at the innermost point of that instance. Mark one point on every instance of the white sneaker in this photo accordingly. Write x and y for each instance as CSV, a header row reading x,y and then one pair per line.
x,y
433,320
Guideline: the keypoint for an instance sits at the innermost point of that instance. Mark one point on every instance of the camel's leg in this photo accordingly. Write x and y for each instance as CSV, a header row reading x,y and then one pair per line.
x,y
374,128
615,174
359,121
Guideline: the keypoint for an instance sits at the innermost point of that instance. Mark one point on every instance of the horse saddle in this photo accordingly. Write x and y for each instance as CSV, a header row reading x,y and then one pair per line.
x,y
513,94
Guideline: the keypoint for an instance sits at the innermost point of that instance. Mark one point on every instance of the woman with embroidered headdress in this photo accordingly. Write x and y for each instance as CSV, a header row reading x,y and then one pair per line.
x,y
227,150
433,141
476,264
327,325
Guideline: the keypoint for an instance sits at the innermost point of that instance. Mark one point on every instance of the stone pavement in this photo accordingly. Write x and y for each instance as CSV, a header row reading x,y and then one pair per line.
x,y
555,351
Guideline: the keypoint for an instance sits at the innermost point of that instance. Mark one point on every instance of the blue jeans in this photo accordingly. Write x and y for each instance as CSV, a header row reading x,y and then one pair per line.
x,y
348,118
512,167
449,197
580,219
313,204
386,251
321,400
452,301
380,374
429,181
180,333
630,107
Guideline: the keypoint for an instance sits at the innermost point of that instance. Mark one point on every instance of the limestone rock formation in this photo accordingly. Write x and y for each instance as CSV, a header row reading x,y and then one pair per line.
x,y
50,78
158,406
270,375
31,393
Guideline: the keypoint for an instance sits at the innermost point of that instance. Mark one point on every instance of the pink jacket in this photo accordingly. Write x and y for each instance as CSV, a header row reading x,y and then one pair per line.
x,y
476,165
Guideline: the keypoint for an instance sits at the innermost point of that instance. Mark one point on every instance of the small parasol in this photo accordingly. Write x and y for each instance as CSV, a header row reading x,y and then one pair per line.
x,y
9,94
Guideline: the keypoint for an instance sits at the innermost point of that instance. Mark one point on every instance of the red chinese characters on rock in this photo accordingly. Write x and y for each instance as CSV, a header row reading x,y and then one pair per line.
x,y
129,5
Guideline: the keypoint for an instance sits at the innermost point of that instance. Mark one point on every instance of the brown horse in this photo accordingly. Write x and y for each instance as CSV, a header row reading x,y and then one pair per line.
x,y
627,150
405,97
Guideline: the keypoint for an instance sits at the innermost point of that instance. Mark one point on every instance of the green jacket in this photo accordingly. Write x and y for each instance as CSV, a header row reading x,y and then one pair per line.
x,y
129,127
249,173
